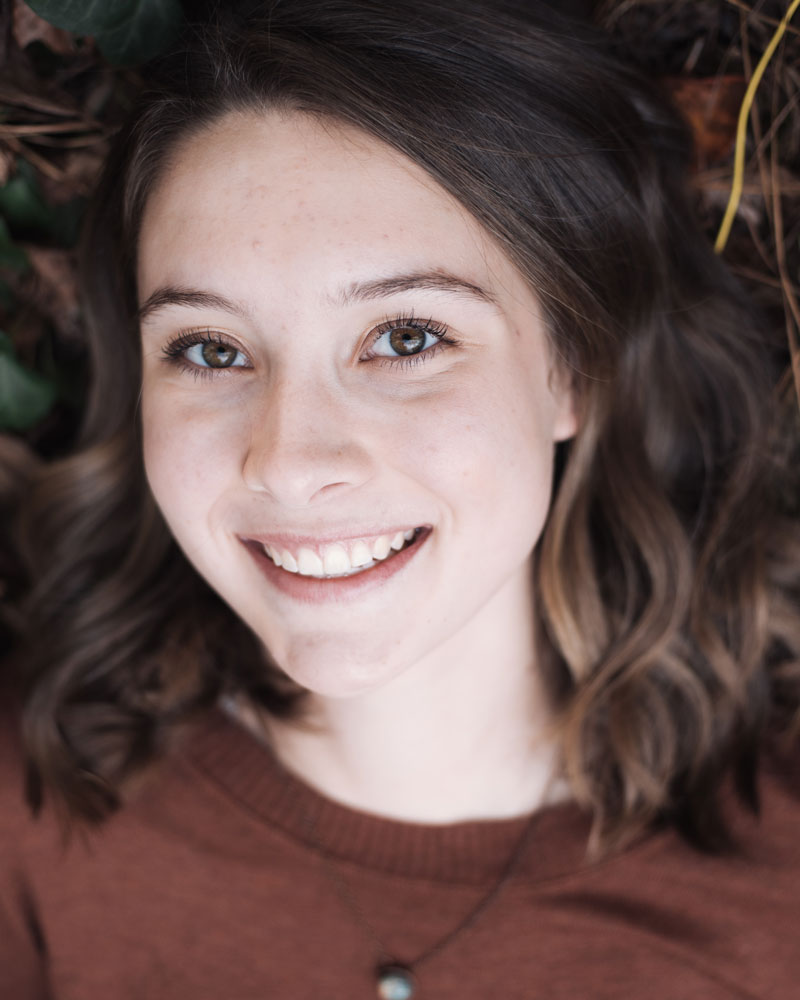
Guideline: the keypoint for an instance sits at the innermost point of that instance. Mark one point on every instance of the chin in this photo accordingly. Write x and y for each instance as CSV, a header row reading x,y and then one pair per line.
x,y
329,673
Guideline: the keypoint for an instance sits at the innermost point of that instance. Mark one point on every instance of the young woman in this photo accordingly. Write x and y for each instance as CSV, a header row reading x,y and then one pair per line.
x,y
417,616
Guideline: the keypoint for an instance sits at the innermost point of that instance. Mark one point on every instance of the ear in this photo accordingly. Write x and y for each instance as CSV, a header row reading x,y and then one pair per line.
x,y
561,383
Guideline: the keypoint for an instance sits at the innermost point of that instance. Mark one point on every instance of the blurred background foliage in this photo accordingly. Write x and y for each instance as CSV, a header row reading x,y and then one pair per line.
x,y
69,70
68,75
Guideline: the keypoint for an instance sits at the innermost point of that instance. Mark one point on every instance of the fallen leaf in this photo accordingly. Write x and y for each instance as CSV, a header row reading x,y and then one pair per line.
x,y
6,165
28,27
25,92
54,288
710,105
81,170
17,460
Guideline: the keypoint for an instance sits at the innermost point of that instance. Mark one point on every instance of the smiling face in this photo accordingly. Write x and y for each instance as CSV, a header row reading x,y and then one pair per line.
x,y
334,356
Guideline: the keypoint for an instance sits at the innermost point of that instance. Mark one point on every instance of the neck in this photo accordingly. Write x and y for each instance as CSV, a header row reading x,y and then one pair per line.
x,y
460,735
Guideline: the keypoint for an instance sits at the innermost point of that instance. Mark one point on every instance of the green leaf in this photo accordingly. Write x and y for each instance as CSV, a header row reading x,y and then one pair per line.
x,y
64,370
28,216
82,17
21,201
141,37
25,397
127,32
11,255
6,295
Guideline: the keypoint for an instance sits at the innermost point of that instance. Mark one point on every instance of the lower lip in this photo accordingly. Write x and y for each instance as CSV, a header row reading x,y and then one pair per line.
x,y
312,590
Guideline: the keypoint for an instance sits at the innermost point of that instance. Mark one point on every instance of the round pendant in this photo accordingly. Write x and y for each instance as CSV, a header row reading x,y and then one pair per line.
x,y
395,983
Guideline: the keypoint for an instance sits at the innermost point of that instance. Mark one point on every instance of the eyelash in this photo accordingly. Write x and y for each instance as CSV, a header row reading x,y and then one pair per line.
x,y
173,352
437,330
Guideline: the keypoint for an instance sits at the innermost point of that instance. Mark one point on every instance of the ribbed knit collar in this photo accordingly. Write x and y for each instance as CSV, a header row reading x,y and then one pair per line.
x,y
470,852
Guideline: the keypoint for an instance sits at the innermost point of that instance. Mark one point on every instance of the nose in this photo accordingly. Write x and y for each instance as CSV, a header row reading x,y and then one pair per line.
x,y
302,444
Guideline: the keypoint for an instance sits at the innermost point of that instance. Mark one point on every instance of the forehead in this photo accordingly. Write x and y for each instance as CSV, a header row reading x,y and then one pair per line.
x,y
292,191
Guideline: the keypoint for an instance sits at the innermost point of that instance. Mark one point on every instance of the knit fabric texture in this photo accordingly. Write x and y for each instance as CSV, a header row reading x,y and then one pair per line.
x,y
206,886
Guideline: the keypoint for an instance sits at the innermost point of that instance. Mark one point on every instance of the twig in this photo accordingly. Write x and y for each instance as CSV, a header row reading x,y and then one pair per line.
x,y
757,243
718,179
69,142
46,167
755,122
793,311
46,128
752,275
762,17
741,133
778,120
17,97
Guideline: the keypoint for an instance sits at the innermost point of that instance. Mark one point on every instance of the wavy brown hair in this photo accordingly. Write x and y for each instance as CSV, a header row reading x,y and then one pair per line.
x,y
667,573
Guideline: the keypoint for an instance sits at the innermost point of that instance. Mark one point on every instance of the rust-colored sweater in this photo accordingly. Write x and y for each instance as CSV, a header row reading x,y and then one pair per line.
x,y
205,887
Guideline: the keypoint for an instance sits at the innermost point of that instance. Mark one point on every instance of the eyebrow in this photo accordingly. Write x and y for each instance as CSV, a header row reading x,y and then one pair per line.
x,y
438,281
170,295
358,291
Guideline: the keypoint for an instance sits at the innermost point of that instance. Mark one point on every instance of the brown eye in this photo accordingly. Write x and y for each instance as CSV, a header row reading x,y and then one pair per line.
x,y
407,340
218,355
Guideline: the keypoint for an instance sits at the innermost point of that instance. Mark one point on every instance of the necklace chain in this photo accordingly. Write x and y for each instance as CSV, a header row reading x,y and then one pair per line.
x,y
351,903
395,979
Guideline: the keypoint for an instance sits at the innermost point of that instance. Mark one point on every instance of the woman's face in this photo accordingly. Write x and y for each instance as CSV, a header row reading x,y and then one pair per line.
x,y
357,360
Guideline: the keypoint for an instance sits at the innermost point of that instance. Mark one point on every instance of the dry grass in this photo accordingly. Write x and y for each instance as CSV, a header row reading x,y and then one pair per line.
x,y
706,52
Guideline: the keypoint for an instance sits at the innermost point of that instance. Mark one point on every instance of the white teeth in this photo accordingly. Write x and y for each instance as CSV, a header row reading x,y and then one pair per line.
x,y
335,560
288,561
381,547
360,554
309,563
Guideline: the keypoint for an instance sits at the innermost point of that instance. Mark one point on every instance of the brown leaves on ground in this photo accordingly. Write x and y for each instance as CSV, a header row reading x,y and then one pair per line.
x,y
52,285
60,104
711,107
28,27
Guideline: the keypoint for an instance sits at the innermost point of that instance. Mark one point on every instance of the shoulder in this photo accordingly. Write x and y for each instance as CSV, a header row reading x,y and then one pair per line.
x,y
734,916
21,839
17,823
779,823
12,770
697,924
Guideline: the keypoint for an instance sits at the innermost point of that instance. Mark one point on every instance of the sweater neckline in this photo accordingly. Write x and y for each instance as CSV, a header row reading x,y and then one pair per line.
x,y
470,852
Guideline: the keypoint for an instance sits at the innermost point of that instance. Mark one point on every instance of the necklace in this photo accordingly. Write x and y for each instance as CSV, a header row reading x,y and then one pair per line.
x,y
396,980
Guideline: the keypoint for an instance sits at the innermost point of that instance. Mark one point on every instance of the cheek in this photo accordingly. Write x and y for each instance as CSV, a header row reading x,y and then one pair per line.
x,y
188,458
489,456
505,432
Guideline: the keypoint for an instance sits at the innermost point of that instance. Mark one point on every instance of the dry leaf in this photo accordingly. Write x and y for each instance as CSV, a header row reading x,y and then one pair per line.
x,y
711,107
6,164
82,168
22,93
28,27
54,289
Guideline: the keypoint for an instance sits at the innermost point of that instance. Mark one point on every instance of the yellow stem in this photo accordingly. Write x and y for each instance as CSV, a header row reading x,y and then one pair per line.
x,y
741,130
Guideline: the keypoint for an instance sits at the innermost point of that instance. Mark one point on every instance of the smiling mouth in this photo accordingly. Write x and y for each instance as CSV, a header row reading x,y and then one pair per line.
x,y
338,561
